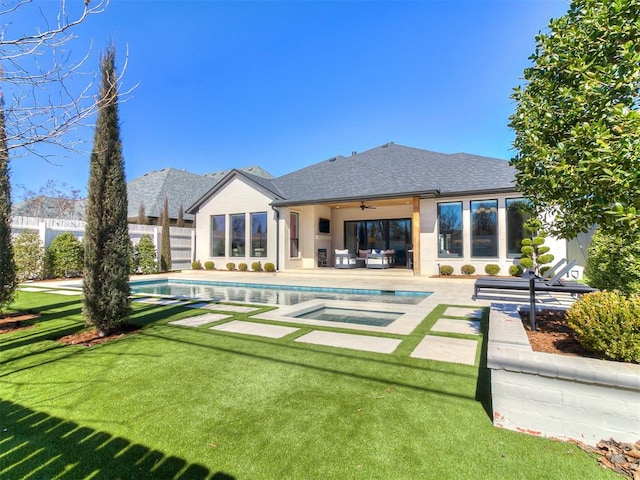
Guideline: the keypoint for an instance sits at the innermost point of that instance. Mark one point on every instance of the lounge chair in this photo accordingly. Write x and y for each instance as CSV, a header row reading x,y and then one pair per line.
x,y
344,259
541,284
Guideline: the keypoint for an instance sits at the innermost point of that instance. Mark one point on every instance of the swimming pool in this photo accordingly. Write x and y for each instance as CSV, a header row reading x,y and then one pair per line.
x,y
270,294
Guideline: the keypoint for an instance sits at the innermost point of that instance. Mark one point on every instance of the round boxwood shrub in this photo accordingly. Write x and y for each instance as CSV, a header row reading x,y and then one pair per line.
x,y
231,266
608,323
196,265
446,270
209,265
256,266
468,269
269,267
492,269
243,267
516,270
65,256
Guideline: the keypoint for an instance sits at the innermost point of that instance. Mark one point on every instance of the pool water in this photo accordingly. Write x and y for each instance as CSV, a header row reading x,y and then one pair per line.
x,y
347,315
270,294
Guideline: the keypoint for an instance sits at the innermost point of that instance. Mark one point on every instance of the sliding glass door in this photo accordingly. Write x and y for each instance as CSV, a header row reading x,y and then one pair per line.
x,y
379,234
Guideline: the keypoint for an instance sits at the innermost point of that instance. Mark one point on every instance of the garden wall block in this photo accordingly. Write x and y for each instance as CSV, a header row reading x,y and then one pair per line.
x,y
558,396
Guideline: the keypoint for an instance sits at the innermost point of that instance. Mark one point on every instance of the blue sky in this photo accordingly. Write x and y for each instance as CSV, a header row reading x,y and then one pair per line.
x,y
283,85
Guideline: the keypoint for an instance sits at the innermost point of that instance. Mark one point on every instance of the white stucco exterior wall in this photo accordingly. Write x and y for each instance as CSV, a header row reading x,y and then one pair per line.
x,y
237,197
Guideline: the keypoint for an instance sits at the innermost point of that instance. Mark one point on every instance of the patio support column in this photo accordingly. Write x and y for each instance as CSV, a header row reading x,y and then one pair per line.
x,y
415,235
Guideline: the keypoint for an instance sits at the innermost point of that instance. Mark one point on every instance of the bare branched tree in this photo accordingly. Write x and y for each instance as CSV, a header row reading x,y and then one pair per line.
x,y
44,99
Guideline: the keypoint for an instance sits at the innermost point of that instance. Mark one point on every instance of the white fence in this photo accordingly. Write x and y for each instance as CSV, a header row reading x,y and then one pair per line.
x,y
182,239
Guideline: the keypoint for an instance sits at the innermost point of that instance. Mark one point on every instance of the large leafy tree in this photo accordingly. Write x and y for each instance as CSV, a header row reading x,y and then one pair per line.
x,y
8,279
106,266
577,123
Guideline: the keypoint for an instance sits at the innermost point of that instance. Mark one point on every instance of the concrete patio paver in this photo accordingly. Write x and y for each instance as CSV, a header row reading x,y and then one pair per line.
x,y
351,341
200,320
65,292
445,349
258,329
222,308
447,325
34,289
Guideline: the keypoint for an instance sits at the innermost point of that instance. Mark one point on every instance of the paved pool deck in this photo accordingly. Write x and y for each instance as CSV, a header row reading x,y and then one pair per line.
x,y
461,318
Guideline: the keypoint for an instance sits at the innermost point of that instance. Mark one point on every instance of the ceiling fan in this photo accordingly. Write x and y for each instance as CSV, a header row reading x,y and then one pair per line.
x,y
363,206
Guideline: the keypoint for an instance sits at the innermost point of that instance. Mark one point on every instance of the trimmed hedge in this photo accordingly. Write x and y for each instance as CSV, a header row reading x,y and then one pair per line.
x,y
196,265
28,256
146,253
516,270
231,266
256,266
269,267
65,256
209,265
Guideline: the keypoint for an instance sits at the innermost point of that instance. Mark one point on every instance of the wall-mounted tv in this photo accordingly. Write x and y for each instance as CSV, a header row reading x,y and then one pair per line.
x,y
324,225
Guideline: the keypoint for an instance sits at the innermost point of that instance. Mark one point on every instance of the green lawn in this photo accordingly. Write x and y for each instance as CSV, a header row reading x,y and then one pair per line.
x,y
178,402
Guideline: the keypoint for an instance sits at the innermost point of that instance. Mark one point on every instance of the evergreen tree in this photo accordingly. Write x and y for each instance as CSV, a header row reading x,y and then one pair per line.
x,y
106,265
165,239
180,220
142,215
8,280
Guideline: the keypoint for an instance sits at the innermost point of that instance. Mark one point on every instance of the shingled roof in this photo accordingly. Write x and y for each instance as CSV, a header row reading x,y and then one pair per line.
x,y
387,171
392,170
179,186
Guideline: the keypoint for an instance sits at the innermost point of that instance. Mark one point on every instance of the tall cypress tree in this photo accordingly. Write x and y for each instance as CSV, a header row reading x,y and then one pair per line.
x,y
8,280
165,239
106,265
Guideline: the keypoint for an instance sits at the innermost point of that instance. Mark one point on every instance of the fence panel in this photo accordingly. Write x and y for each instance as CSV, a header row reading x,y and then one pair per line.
x,y
181,239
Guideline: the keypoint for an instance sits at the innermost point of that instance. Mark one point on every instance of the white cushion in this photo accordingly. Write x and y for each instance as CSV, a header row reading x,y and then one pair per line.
x,y
342,252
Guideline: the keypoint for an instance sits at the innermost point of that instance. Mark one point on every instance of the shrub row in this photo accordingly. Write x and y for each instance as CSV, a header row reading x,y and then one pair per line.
x,y
490,269
255,266
65,256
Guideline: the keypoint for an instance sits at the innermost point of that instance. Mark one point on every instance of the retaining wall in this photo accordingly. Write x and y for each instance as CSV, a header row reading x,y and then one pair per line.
x,y
558,396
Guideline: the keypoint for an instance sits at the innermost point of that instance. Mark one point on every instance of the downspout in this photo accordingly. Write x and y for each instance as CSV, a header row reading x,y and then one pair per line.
x,y
277,237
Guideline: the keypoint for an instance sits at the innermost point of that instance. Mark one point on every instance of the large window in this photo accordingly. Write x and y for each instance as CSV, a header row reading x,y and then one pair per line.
x,y
294,230
517,214
259,234
238,235
450,229
484,228
217,236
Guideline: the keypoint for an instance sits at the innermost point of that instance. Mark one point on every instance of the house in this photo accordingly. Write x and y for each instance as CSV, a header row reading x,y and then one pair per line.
x,y
180,187
429,208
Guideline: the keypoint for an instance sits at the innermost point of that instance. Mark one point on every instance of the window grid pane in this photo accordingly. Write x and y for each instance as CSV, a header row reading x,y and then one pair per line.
x,y
516,216
238,235
217,236
293,235
484,228
450,229
259,234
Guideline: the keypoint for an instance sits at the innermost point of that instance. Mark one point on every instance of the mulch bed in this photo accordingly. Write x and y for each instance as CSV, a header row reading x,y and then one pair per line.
x,y
88,338
553,335
15,321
